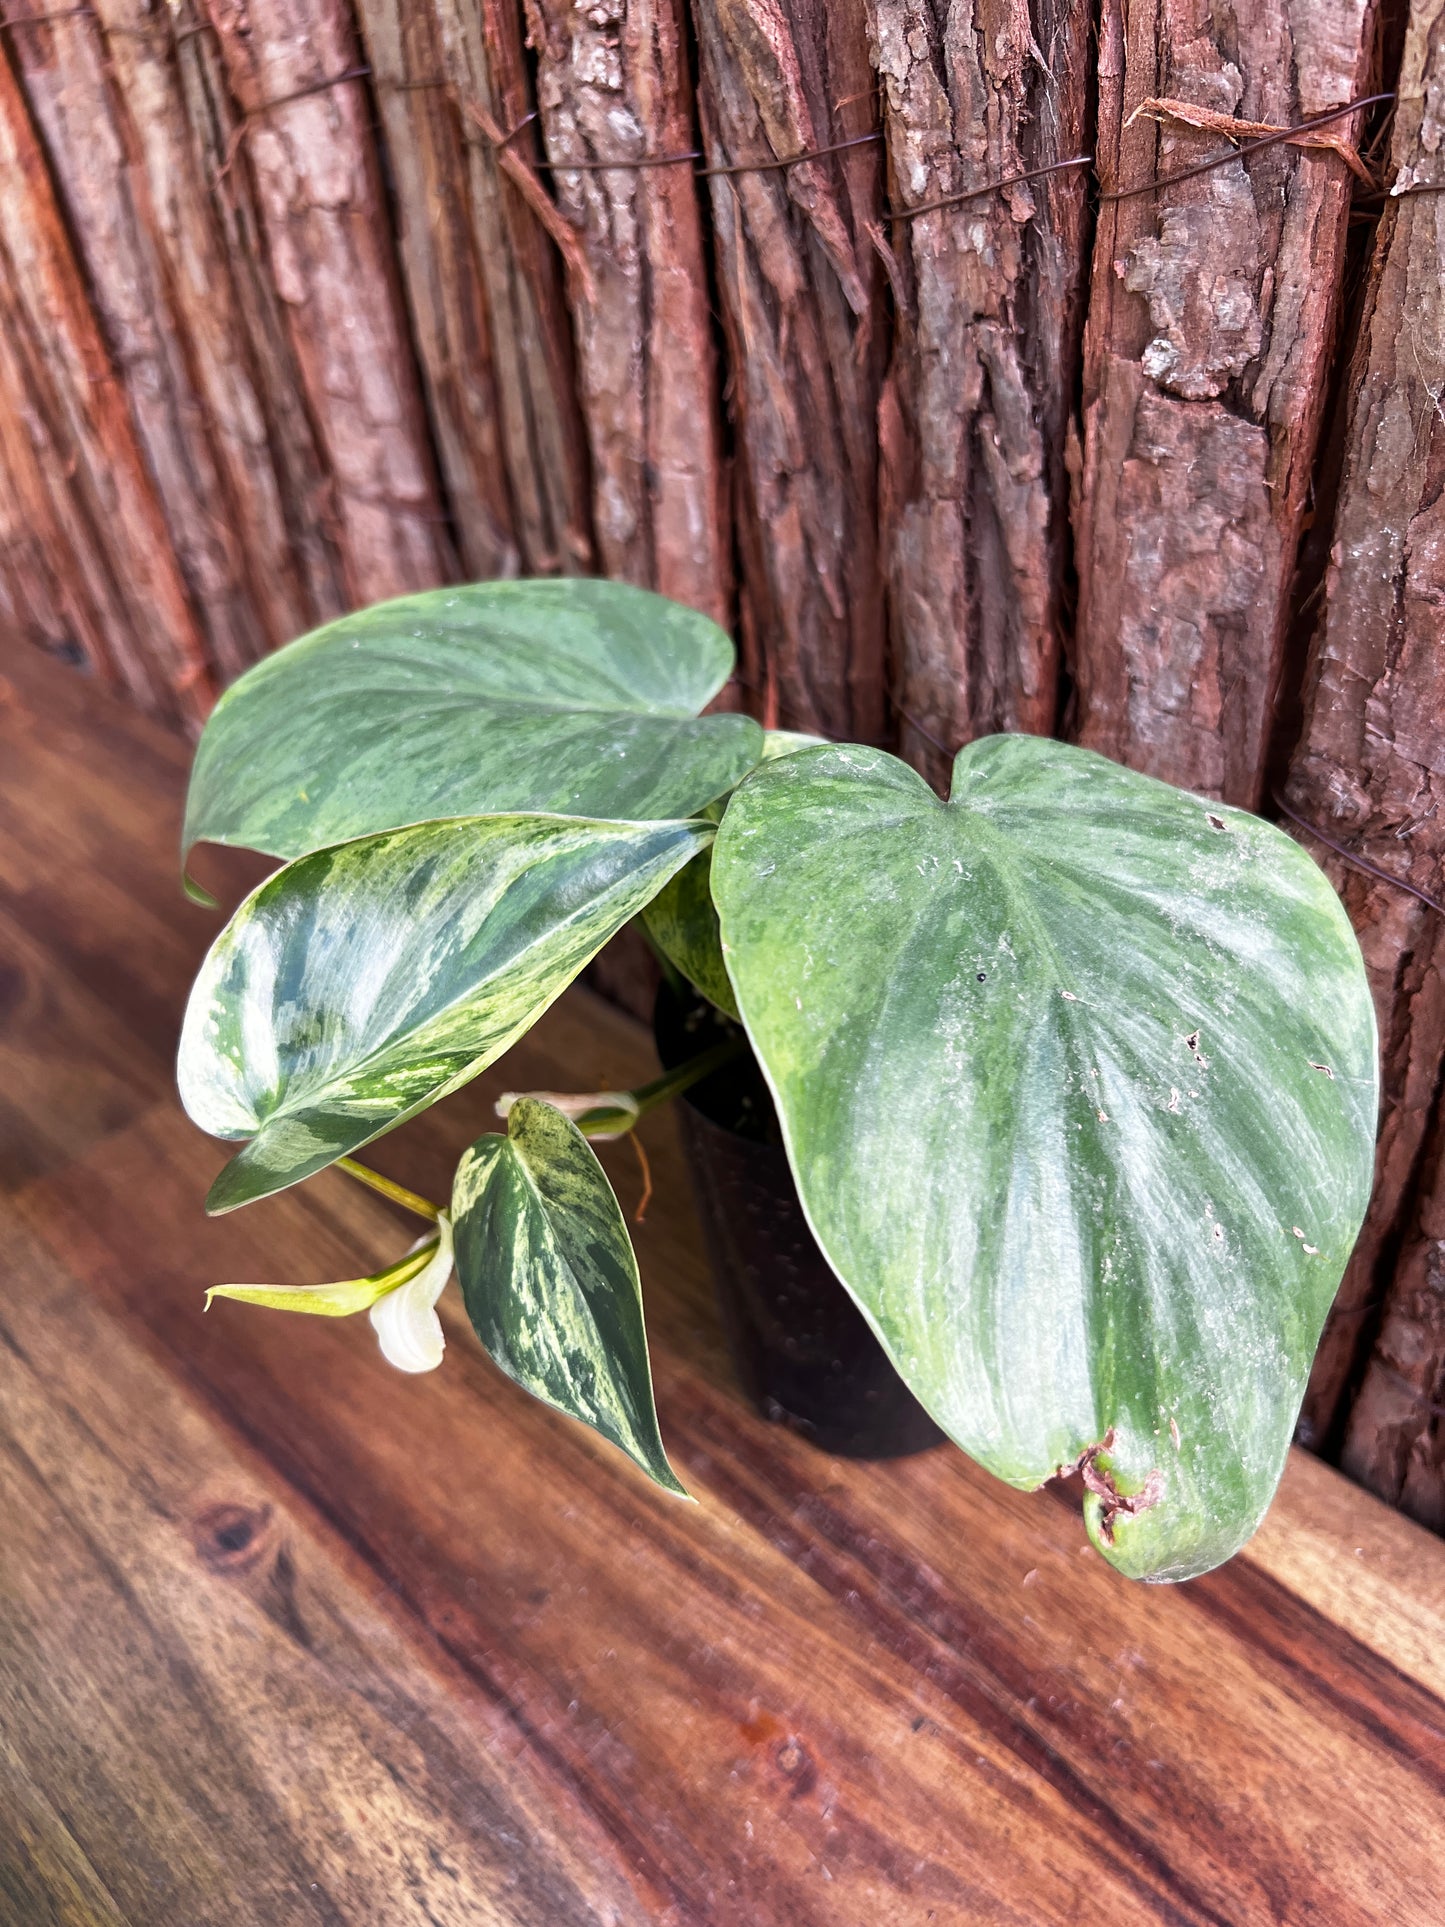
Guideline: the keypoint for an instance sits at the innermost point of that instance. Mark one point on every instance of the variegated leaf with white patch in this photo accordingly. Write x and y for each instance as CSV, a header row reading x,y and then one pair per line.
x,y
361,983
578,698
1077,1075
550,1280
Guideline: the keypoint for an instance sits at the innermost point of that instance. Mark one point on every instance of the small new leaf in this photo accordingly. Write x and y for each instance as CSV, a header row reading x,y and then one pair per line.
x,y
550,1281
405,1320
340,1300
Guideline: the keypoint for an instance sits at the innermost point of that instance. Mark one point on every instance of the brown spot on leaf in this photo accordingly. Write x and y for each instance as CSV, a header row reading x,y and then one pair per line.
x,y
1099,1480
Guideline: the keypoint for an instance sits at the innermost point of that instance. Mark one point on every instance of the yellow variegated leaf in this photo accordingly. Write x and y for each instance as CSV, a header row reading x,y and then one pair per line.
x,y
331,1301
550,1281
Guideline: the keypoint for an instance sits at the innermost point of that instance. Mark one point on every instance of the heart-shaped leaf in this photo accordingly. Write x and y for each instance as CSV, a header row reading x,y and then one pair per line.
x,y
360,984
550,1281
682,918
579,698
1077,1075
682,921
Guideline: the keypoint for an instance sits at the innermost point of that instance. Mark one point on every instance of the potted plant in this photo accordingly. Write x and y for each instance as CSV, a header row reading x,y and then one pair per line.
x,y
1075,1072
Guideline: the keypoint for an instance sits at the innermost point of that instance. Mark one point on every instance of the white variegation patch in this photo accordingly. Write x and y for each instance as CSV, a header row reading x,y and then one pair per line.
x,y
405,1320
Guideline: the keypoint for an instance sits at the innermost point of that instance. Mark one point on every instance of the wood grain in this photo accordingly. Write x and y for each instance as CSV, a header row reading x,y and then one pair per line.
x,y
613,83
305,141
285,1636
111,102
442,276
539,420
72,448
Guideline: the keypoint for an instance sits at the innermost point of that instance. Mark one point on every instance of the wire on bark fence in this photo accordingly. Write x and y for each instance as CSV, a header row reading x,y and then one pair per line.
x,y
775,163
524,172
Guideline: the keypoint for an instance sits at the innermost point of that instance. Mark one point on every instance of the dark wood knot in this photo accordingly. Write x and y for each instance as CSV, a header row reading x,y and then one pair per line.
x,y
795,1763
232,1538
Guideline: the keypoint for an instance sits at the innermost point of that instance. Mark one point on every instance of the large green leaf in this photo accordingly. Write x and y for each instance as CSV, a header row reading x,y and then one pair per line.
x,y
359,984
1077,1074
550,1281
576,697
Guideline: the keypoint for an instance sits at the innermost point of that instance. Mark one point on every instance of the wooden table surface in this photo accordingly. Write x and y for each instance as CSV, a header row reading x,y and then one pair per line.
x,y
288,1638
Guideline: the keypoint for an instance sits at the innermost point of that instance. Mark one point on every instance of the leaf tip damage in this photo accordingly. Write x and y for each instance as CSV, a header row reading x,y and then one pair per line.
x,y
1099,1479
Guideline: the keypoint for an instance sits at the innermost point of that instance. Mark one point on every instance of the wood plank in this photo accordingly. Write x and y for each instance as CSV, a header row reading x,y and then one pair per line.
x,y
224,1710
45,1879
273,1615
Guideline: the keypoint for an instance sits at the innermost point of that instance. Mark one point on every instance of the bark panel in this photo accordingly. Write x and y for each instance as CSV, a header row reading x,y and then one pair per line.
x,y
613,82
801,289
113,127
981,385
1211,324
1370,770
309,151
70,449
444,284
43,597
539,421
297,457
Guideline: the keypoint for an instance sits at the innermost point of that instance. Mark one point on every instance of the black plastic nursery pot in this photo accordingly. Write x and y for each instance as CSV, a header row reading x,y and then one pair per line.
x,y
802,1348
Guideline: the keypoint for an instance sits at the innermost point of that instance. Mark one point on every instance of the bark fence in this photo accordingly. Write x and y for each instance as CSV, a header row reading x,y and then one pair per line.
x,y
983,364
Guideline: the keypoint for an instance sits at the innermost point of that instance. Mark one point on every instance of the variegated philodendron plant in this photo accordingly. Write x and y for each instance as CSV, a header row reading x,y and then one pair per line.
x,y
1076,1072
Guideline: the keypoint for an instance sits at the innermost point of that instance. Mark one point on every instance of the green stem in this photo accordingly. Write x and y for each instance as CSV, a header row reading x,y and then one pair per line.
x,y
675,980
672,1083
398,1193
